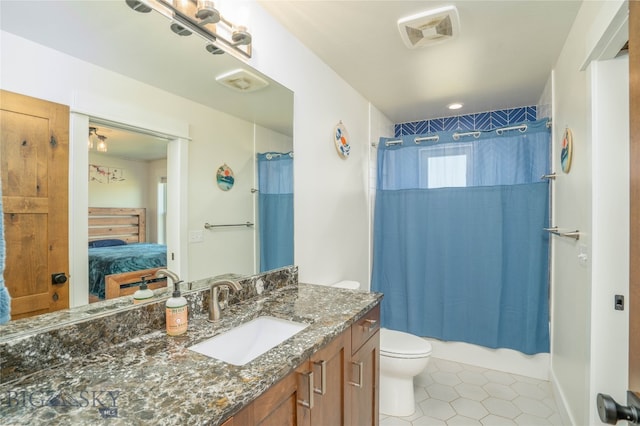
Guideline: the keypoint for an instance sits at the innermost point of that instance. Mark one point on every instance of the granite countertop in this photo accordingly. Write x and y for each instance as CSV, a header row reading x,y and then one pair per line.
x,y
155,379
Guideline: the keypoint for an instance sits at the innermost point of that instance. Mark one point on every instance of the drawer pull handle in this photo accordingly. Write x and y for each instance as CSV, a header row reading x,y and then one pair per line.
x,y
360,375
302,402
323,378
371,324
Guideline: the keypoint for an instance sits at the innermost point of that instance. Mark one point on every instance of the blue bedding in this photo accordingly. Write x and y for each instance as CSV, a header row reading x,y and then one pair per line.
x,y
124,258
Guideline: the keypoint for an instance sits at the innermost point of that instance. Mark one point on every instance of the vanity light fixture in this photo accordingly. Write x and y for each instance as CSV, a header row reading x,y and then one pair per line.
x,y
240,36
92,136
102,145
200,17
95,139
138,6
207,12
213,49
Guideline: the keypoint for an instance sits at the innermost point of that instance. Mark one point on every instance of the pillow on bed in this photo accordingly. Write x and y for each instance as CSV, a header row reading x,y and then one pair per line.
x,y
106,243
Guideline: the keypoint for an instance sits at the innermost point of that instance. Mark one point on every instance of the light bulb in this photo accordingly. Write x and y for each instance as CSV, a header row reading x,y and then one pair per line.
x,y
102,145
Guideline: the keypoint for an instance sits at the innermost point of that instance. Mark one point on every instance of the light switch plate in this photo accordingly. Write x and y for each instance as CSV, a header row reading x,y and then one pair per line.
x,y
583,254
196,236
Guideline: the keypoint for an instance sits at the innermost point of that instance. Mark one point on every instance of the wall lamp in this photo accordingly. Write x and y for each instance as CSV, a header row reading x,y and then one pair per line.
x,y
200,17
97,139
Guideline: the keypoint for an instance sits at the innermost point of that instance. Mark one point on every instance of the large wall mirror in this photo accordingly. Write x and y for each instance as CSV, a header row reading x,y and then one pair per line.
x,y
246,133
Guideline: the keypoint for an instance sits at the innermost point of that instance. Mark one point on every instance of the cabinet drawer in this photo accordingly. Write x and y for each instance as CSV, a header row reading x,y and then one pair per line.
x,y
364,328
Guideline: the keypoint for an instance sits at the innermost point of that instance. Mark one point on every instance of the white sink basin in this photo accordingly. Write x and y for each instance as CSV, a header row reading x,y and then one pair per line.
x,y
248,341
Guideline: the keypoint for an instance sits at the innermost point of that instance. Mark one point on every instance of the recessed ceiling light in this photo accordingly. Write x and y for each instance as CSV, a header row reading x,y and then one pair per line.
x,y
455,105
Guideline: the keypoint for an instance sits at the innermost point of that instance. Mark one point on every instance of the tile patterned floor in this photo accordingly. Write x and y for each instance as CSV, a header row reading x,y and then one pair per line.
x,y
450,393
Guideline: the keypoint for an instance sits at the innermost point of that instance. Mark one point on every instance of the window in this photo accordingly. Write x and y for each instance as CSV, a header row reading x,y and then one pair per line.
x,y
445,166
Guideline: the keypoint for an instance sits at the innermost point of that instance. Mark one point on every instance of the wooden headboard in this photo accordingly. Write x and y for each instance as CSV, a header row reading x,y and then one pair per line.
x,y
127,224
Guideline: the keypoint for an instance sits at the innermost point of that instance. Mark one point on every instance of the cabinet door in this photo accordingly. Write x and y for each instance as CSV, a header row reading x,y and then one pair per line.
x,y
365,376
288,402
330,365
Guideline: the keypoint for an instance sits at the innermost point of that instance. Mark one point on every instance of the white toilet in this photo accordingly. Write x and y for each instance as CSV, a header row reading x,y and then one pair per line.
x,y
402,357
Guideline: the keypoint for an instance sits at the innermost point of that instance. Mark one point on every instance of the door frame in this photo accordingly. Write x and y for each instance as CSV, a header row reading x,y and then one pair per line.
x,y
634,195
87,107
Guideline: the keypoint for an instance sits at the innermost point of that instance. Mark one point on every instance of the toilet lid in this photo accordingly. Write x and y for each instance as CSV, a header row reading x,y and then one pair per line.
x,y
398,344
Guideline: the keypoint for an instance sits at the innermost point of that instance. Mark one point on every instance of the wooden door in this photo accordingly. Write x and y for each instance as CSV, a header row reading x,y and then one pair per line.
x,y
634,253
34,164
330,365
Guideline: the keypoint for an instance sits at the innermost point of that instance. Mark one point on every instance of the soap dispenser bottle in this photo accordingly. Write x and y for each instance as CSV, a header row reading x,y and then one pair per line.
x,y
176,312
144,293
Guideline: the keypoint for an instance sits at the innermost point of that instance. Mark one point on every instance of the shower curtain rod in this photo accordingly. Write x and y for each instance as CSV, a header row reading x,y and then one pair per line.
x,y
522,128
435,138
456,136
270,155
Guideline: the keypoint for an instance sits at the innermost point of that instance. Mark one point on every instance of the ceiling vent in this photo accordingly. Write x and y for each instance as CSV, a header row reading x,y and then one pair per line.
x,y
430,27
242,80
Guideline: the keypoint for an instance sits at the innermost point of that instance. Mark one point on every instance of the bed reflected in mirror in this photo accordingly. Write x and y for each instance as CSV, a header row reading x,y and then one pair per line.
x,y
127,194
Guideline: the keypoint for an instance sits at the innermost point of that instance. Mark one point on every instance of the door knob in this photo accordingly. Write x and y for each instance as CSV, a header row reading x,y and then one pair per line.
x,y
610,411
58,278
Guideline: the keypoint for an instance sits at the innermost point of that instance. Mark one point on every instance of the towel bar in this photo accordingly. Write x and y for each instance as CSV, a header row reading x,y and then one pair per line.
x,y
209,226
569,234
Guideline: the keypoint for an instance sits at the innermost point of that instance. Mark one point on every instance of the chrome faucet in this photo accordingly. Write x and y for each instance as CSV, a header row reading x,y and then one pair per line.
x,y
214,304
162,273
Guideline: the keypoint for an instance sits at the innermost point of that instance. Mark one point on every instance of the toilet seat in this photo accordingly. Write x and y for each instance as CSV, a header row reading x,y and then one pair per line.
x,y
397,344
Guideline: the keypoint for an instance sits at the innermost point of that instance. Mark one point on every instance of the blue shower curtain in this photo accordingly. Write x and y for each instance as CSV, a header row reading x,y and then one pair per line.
x,y
459,247
275,209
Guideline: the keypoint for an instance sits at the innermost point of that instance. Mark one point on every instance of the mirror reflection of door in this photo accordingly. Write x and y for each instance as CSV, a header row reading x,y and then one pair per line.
x,y
34,151
127,210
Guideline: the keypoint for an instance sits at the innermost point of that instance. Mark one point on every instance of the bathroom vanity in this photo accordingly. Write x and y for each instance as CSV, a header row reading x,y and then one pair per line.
x,y
120,367
337,385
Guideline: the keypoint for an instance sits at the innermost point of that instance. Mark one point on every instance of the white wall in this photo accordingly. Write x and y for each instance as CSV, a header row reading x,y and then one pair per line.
x,y
582,275
130,192
269,140
331,193
230,142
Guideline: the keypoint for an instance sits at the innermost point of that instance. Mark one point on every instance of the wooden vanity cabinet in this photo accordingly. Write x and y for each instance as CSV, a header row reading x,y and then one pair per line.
x,y
282,405
365,370
330,366
338,385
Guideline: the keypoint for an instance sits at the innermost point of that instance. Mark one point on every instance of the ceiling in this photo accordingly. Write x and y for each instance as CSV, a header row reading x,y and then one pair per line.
x,y
129,145
111,35
501,59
